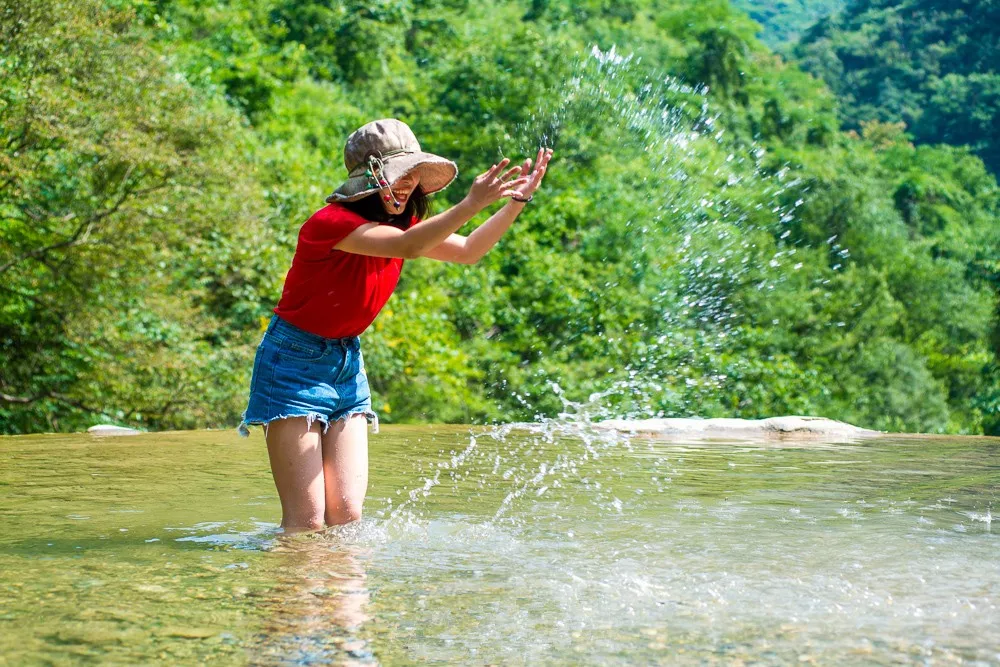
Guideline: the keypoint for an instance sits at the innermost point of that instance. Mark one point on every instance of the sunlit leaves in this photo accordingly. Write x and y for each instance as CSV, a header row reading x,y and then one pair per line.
x,y
719,251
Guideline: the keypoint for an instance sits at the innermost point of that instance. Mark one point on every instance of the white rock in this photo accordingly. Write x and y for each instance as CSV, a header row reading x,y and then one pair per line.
x,y
111,429
774,427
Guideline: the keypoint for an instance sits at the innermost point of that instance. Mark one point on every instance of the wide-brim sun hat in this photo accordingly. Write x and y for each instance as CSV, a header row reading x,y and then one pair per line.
x,y
392,143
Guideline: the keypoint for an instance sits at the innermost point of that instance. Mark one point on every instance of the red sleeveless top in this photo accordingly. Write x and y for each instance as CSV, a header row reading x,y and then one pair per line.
x,y
332,293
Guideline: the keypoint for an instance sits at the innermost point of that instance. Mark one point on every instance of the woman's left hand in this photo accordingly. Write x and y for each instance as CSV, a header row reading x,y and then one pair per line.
x,y
535,179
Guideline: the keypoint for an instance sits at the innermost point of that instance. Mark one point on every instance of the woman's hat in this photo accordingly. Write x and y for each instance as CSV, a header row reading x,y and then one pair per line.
x,y
387,149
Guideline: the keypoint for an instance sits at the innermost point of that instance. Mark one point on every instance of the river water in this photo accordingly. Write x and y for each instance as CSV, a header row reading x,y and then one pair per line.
x,y
533,545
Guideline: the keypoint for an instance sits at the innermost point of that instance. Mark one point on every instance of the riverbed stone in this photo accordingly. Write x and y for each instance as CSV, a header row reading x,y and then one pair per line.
x,y
111,429
188,633
772,427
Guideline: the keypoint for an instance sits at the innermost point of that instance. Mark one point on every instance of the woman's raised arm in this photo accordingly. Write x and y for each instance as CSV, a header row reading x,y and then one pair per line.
x,y
388,241
470,249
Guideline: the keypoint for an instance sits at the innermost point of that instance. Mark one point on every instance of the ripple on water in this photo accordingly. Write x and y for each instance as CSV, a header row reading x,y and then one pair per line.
x,y
259,536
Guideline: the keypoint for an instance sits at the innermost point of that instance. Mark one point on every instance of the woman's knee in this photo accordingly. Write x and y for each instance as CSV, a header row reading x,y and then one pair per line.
x,y
348,509
307,514
296,524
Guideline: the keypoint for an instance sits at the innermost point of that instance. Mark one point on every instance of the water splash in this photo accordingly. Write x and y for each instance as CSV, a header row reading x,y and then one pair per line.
x,y
715,222
528,461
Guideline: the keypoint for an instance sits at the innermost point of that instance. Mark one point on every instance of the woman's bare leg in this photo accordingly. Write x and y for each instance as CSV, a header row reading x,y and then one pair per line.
x,y
296,454
345,467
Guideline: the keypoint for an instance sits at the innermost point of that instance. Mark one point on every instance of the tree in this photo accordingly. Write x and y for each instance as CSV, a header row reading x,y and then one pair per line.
x,y
114,173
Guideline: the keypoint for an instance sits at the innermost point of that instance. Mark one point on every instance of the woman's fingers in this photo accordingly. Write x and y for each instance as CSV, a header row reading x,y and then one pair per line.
x,y
536,178
544,156
510,172
492,172
514,186
518,180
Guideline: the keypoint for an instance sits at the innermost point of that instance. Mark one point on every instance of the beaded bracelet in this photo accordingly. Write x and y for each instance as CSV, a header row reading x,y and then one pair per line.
x,y
523,201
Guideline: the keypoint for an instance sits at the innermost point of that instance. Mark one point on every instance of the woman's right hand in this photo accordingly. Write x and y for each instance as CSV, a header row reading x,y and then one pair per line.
x,y
491,186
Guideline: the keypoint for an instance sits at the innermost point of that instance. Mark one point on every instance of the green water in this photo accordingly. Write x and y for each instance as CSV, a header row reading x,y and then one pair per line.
x,y
552,545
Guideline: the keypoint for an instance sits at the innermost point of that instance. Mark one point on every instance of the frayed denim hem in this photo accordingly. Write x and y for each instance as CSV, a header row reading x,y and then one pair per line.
x,y
311,418
369,415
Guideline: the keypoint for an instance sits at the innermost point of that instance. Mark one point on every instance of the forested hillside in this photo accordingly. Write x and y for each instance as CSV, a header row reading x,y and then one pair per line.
x,y
784,21
934,65
708,242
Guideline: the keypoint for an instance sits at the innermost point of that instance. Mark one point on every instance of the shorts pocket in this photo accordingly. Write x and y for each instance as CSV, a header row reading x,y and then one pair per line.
x,y
301,351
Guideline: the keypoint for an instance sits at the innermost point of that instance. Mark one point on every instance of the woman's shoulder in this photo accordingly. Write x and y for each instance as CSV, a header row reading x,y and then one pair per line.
x,y
328,226
335,212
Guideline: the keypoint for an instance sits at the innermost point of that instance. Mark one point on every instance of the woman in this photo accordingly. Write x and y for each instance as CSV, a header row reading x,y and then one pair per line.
x,y
309,386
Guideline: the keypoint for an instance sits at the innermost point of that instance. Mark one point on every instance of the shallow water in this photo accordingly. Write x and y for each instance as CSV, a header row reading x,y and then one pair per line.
x,y
547,545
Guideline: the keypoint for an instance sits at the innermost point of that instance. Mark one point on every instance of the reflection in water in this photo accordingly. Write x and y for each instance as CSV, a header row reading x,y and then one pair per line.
x,y
318,605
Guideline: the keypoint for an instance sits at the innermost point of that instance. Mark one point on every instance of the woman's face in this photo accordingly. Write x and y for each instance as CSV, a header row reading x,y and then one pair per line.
x,y
401,189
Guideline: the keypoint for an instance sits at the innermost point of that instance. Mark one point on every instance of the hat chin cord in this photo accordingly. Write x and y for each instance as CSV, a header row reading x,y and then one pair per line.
x,y
376,169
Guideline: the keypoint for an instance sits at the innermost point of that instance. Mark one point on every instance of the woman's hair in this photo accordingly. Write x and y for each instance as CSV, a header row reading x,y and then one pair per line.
x,y
370,208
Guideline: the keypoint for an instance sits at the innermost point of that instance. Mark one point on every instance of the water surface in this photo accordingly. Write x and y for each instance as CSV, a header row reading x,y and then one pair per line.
x,y
546,545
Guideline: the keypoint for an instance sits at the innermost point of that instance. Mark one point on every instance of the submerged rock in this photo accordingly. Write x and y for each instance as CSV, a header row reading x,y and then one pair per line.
x,y
780,427
111,429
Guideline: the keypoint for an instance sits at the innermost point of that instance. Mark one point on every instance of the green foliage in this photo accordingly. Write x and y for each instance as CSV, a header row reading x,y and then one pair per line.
x,y
719,253
782,21
931,65
115,178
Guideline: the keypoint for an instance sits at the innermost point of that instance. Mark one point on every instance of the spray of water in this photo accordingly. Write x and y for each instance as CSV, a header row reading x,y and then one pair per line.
x,y
702,242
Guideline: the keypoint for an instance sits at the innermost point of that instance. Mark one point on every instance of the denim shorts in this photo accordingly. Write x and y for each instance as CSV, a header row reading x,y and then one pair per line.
x,y
300,374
